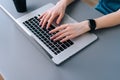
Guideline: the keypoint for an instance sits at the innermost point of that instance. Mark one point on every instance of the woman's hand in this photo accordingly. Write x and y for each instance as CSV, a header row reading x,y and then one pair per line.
x,y
57,12
69,31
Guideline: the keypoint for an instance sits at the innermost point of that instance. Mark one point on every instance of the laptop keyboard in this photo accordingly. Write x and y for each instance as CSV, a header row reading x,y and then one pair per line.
x,y
43,34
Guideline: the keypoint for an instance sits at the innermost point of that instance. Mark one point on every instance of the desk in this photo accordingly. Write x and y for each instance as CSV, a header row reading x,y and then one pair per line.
x,y
20,60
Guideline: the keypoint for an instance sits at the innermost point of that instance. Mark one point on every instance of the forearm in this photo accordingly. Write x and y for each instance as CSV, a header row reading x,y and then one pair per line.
x,y
65,2
108,20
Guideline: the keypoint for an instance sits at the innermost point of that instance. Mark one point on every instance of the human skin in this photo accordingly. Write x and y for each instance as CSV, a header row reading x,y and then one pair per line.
x,y
72,30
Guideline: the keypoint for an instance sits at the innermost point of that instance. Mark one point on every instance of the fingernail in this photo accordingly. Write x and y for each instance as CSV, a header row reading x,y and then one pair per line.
x,y
50,31
47,28
50,37
61,41
40,24
54,40
42,27
57,22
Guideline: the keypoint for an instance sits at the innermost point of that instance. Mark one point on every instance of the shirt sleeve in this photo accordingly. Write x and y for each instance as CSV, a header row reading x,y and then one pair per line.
x,y
118,10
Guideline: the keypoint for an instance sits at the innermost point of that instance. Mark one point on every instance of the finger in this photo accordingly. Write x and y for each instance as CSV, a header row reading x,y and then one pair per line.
x,y
59,19
42,19
45,20
58,34
66,38
58,28
61,36
51,20
42,15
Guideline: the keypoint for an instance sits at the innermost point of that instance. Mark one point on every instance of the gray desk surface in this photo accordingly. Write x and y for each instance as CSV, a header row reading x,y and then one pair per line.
x,y
20,60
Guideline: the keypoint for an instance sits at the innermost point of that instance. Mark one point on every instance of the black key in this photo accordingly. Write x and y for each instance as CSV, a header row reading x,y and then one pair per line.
x,y
58,51
63,45
60,48
70,42
66,43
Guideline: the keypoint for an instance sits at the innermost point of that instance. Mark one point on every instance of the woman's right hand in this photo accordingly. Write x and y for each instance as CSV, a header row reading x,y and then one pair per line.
x,y
55,13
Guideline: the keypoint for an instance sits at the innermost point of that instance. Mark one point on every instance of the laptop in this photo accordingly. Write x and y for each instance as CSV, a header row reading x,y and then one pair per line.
x,y
58,52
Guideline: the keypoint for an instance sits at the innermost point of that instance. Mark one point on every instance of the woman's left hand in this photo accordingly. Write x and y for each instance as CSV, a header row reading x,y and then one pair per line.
x,y
69,31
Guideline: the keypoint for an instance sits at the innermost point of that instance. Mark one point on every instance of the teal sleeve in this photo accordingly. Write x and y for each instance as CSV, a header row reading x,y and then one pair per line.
x,y
108,6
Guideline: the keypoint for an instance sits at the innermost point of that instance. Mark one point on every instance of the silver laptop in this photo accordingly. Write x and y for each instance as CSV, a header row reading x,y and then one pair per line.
x,y
57,51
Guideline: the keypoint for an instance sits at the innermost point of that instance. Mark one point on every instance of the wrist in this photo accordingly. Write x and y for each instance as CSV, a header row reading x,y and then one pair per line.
x,y
85,24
